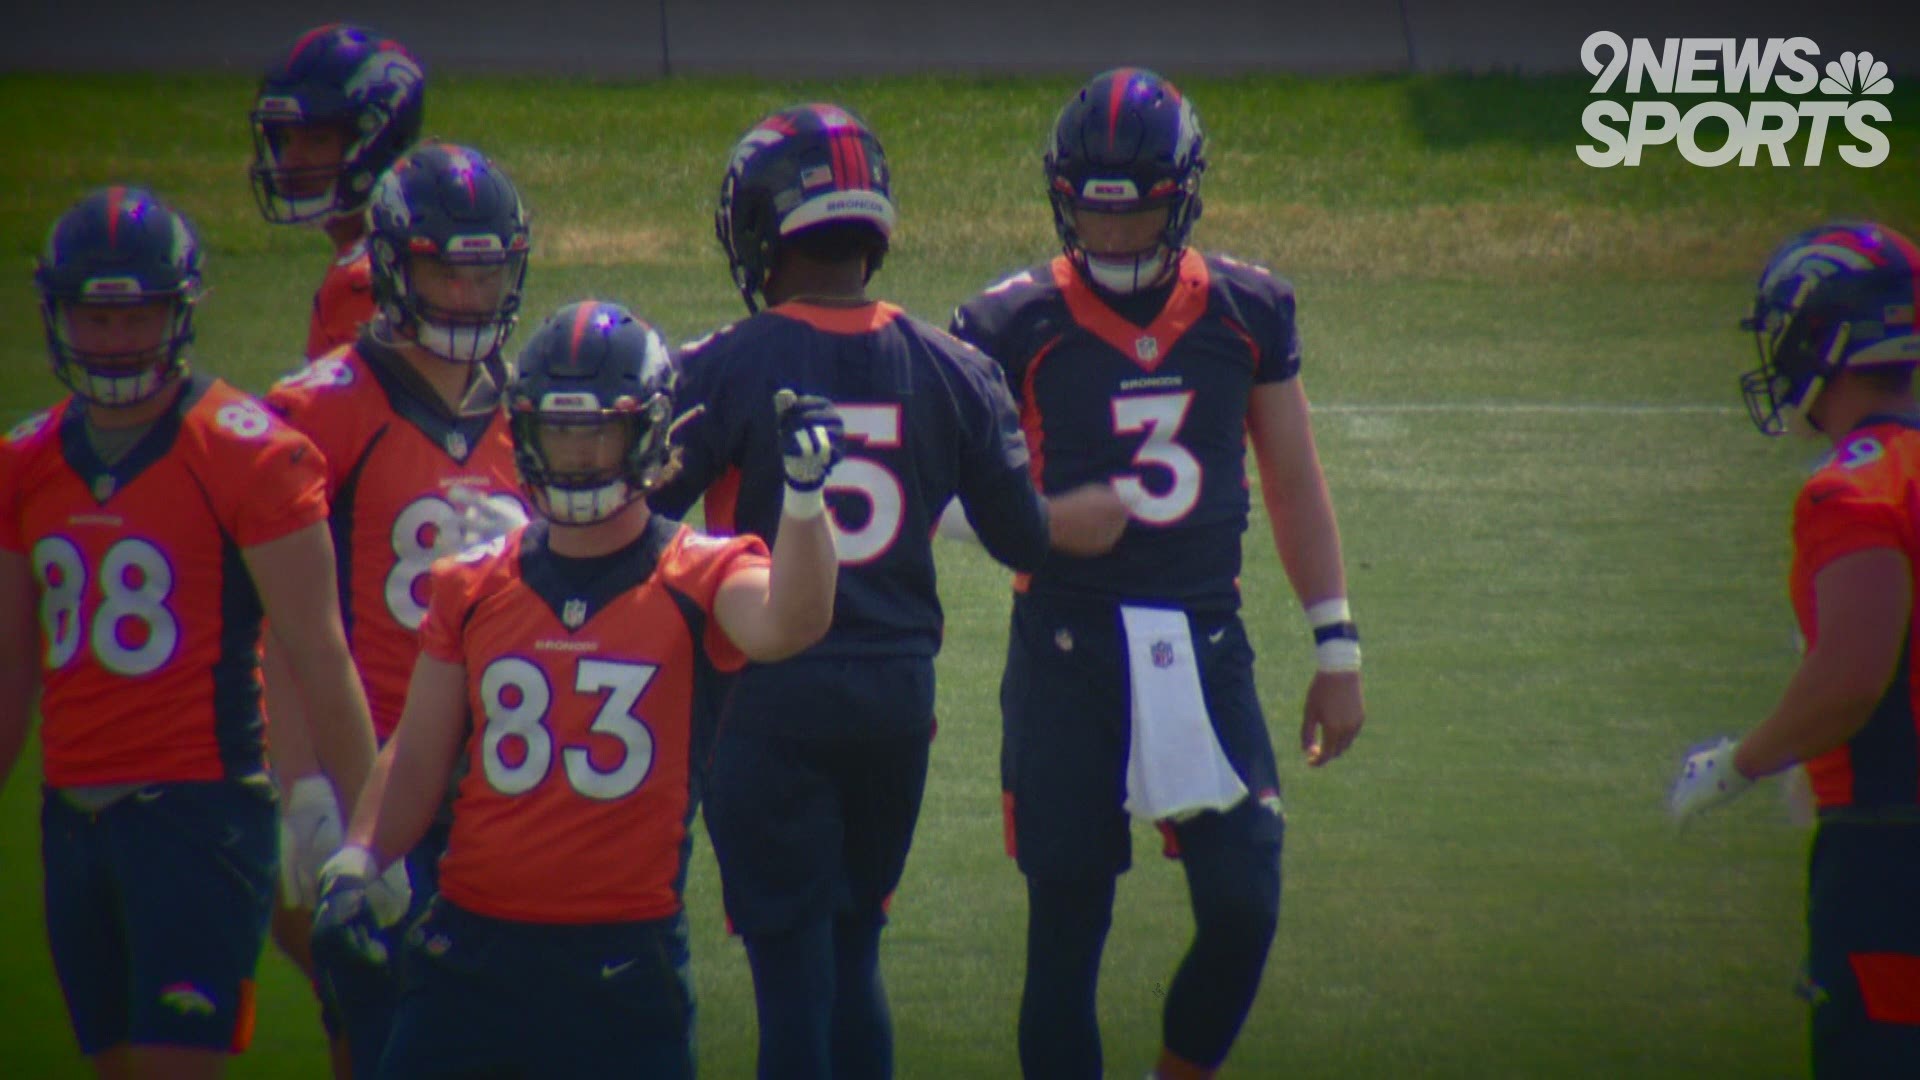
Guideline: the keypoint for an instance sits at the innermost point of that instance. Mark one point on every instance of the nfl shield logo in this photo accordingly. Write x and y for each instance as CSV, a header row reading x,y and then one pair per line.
x,y
457,444
1162,652
574,613
1147,348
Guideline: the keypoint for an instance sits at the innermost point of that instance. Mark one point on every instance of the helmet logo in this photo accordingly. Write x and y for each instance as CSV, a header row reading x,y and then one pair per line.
x,y
393,72
388,199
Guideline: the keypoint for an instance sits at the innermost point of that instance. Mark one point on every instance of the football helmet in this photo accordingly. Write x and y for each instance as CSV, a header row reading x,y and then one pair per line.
x,y
449,206
798,169
118,246
1840,296
368,86
1127,141
592,372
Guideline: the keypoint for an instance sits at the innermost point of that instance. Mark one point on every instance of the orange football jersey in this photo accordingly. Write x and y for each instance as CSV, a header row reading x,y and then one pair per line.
x,y
575,802
1867,496
344,303
392,457
149,620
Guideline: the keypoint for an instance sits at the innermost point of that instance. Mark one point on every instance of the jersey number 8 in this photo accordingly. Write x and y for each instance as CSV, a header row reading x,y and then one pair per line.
x,y
135,581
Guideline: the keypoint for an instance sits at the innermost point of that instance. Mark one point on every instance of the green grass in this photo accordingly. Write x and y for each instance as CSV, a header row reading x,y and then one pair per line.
x,y
1556,602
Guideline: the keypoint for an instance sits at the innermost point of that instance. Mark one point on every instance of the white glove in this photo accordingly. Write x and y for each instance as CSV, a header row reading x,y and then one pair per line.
x,y
483,518
1707,779
388,896
310,832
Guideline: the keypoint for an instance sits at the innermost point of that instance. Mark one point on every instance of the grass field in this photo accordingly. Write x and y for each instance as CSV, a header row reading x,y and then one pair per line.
x,y
1565,542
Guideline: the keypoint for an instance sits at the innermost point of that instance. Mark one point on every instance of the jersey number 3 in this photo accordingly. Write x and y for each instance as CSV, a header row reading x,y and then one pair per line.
x,y
1160,416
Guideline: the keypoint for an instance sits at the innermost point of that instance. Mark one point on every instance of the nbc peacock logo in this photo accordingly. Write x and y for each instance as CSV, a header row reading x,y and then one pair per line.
x,y
1856,75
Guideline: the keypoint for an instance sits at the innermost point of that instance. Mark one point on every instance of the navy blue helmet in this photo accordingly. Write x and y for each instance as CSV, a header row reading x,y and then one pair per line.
x,y
1127,141
801,168
120,247
368,87
450,206
1838,297
593,372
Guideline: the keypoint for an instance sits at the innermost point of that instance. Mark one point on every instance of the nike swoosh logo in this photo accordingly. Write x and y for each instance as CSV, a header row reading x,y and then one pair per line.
x,y
608,971
148,794
1215,637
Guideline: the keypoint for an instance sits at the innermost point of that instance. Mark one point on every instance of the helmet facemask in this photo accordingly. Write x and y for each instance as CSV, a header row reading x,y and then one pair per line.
x,y
288,190
581,463
116,374
462,304
1128,267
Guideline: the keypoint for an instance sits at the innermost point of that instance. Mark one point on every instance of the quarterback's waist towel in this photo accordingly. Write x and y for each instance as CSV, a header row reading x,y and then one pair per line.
x,y
1175,768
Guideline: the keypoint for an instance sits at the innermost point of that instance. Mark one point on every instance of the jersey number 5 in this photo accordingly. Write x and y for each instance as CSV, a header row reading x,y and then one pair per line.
x,y
516,696
1160,416
876,427
133,633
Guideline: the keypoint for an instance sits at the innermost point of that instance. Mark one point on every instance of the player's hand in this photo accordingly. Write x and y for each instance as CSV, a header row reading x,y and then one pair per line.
x,y
1333,716
483,518
310,832
1086,521
1707,779
811,438
345,922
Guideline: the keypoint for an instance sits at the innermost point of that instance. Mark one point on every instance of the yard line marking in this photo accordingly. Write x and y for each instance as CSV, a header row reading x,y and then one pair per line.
x,y
1596,408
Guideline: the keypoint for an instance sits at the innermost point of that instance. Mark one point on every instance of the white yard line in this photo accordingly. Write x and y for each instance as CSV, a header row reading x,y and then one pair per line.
x,y
1523,408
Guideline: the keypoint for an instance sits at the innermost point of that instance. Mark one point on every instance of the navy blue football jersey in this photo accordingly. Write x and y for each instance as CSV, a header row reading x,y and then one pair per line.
x,y
928,419
1156,407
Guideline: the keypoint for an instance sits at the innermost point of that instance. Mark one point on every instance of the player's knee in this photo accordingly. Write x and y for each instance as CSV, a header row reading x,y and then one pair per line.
x,y
1242,915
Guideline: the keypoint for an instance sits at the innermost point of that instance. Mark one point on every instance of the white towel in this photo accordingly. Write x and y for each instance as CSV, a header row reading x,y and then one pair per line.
x,y
1175,768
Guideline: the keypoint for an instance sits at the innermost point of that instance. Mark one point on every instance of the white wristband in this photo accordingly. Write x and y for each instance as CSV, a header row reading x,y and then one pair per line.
x,y
804,505
1336,641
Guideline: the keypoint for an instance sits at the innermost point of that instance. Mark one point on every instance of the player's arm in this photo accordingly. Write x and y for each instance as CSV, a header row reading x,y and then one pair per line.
x,y
1308,540
1863,606
294,575
412,773
772,614
1003,511
19,659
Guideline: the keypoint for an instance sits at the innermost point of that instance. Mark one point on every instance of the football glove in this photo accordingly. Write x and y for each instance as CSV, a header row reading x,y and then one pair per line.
x,y
310,832
811,438
1707,779
344,921
483,518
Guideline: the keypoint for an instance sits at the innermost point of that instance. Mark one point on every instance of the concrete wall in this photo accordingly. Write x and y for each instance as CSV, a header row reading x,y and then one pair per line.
x,y
647,38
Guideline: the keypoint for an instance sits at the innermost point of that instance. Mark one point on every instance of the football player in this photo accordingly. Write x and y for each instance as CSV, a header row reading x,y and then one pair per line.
x,y
147,522
419,462
1129,687
817,777
331,116
564,666
1834,318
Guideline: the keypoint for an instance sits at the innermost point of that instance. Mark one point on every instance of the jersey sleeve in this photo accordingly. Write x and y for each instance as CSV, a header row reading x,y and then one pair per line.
x,y
700,565
985,322
701,440
1264,301
1837,516
995,483
450,587
343,304
284,487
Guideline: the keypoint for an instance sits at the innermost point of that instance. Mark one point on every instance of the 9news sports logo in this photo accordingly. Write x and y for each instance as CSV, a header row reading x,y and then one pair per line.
x,y
1848,85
